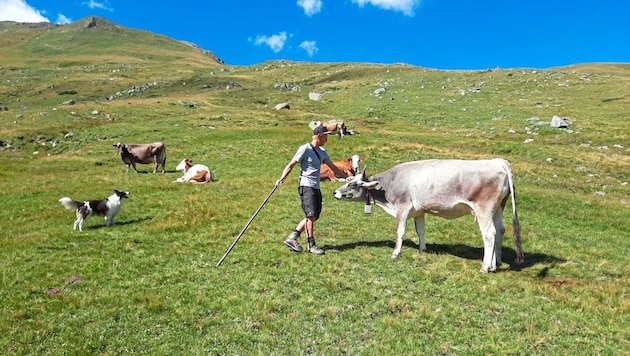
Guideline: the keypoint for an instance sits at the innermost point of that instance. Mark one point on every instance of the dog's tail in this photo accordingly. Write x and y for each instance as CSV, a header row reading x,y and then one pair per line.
x,y
69,203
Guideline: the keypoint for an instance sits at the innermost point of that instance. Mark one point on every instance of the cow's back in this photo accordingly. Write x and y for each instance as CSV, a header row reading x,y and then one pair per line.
x,y
158,148
443,182
414,173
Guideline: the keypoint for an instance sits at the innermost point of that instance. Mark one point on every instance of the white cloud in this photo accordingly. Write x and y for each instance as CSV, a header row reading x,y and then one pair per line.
x,y
19,11
92,4
310,47
310,7
404,6
275,42
62,19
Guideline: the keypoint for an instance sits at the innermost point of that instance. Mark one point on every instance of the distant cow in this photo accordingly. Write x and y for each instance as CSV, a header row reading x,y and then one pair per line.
x,y
197,173
350,166
142,153
336,126
446,188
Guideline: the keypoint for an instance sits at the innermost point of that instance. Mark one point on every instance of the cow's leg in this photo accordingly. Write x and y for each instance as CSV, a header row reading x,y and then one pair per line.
x,y
419,221
401,219
488,232
133,164
127,170
156,164
498,240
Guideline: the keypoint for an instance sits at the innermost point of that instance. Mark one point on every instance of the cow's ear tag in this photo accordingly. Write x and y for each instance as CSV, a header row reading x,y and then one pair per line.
x,y
367,209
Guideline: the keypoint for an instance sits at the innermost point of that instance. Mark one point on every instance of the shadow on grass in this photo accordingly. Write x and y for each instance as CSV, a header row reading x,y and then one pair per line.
x,y
459,250
151,172
121,223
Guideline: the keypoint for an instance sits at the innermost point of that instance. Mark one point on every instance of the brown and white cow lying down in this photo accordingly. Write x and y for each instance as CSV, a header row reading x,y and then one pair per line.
x,y
350,166
142,153
197,173
446,188
338,127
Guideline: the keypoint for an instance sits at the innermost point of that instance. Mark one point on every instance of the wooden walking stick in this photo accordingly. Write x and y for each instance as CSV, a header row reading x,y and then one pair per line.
x,y
247,225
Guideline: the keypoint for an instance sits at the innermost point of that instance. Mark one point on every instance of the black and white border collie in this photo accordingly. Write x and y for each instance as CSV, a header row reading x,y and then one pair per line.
x,y
105,207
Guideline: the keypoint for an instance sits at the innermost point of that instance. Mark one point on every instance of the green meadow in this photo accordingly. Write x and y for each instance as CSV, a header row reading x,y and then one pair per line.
x,y
150,285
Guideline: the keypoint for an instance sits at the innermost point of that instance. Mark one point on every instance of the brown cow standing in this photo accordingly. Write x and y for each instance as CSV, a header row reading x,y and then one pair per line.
x,y
142,153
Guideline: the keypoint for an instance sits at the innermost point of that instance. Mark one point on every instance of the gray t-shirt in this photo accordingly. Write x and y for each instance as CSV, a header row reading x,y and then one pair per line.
x,y
310,164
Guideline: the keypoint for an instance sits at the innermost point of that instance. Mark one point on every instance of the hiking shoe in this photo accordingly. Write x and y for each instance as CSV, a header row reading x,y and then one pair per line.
x,y
292,242
316,250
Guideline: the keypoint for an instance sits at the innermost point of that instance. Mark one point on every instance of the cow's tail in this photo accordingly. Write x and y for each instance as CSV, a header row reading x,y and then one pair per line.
x,y
210,176
520,258
69,203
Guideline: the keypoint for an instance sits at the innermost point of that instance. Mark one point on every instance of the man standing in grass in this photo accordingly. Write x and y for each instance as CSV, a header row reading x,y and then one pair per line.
x,y
310,156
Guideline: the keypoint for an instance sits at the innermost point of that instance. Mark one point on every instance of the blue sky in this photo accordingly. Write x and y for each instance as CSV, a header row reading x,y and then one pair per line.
x,y
441,34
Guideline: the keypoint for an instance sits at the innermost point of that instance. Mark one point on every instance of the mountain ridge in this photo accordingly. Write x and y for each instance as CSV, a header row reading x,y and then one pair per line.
x,y
90,34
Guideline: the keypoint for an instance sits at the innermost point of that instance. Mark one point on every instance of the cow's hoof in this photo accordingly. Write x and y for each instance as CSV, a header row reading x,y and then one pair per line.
x,y
395,256
488,269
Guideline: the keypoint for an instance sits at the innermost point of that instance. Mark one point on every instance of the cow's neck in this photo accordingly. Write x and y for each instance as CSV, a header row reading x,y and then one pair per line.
x,y
379,198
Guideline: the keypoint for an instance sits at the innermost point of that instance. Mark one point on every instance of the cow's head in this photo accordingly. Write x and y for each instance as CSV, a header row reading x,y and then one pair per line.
x,y
342,130
337,126
355,160
122,148
184,165
356,188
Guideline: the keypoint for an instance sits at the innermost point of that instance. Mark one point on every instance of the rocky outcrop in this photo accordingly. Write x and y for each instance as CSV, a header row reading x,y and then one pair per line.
x,y
205,51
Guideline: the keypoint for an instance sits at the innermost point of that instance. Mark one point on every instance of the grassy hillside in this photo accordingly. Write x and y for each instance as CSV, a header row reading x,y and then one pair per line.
x,y
149,284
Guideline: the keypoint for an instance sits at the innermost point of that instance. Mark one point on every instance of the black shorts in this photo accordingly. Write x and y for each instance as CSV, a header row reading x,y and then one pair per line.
x,y
311,201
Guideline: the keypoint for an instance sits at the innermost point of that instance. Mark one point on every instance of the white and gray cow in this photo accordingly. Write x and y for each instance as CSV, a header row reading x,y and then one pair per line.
x,y
446,188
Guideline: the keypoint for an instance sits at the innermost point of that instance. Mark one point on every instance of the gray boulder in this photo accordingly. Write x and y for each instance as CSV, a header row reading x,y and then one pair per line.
x,y
559,122
283,106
